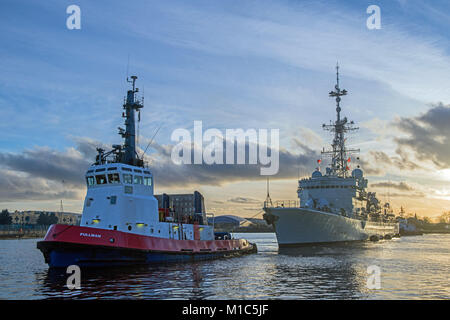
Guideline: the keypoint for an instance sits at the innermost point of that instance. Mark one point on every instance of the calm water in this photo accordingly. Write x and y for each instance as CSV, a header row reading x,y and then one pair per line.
x,y
411,268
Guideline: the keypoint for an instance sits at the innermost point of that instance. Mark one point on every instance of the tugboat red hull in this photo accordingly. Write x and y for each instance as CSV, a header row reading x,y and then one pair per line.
x,y
66,245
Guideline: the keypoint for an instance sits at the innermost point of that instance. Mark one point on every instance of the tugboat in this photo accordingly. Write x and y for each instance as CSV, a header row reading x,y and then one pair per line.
x,y
334,206
408,226
121,224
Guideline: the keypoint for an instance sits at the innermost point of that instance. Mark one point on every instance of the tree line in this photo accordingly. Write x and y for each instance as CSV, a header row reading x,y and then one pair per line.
x,y
444,218
43,219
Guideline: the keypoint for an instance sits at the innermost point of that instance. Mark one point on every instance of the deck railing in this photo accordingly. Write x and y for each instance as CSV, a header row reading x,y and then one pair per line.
x,y
282,204
19,231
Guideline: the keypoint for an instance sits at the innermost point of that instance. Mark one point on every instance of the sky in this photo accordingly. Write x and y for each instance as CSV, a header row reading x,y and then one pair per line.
x,y
230,64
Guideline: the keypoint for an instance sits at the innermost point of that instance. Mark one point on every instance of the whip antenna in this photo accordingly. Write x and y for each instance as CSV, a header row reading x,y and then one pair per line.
x,y
151,140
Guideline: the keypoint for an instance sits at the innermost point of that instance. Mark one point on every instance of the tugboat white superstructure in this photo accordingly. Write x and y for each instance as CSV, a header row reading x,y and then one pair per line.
x,y
121,222
335,206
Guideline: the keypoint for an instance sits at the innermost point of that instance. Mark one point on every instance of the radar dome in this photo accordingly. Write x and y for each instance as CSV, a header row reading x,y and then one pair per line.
x,y
316,174
357,173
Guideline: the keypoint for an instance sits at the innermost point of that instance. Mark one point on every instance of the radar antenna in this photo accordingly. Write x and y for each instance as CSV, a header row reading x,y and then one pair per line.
x,y
268,202
126,153
339,153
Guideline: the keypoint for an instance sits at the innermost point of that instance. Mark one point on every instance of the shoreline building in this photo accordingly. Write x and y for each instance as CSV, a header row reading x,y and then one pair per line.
x,y
30,217
182,207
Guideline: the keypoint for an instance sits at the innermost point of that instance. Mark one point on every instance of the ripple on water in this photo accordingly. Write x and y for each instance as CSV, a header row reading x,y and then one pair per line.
x,y
411,268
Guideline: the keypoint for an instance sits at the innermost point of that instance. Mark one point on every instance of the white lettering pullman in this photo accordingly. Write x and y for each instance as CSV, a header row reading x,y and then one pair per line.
x,y
90,235
335,206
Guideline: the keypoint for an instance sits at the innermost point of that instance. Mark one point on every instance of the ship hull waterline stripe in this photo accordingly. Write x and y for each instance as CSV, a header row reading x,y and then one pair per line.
x,y
63,254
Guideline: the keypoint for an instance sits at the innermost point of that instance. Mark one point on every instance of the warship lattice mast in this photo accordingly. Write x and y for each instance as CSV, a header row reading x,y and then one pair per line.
x,y
339,127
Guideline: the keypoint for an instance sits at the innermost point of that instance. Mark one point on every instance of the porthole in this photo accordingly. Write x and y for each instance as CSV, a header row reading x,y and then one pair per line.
x,y
129,228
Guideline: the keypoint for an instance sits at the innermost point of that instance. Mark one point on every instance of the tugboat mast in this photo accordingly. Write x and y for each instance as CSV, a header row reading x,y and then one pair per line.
x,y
129,155
125,153
340,127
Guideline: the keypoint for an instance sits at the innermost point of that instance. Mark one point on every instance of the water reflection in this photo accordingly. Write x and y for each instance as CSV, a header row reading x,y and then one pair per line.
x,y
155,281
412,268
313,272
318,272
326,249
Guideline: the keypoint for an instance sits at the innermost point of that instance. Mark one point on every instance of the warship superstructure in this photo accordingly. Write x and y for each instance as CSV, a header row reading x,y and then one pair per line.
x,y
333,206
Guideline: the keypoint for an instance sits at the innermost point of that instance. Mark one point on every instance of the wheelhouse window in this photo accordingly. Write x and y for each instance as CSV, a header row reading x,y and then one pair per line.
x,y
128,189
101,179
148,181
127,178
90,181
113,178
138,180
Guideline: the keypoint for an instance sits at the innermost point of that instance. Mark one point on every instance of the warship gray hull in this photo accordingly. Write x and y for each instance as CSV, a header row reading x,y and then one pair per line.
x,y
302,226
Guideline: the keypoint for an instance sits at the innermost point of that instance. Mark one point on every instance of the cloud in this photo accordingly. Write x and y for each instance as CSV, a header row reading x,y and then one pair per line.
x,y
420,142
305,139
53,165
404,190
19,187
43,173
88,147
37,174
244,200
399,186
428,136
378,162
168,174
294,34
412,195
